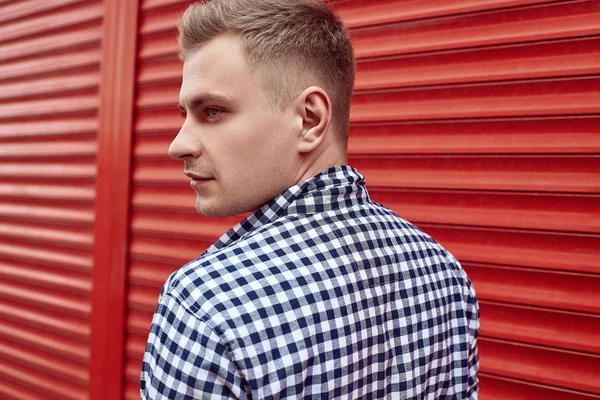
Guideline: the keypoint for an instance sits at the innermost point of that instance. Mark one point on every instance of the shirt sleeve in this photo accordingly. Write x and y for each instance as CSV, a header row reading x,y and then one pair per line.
x,y
185,359
473,360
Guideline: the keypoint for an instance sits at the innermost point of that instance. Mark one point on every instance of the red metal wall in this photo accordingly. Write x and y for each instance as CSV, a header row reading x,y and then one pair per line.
x,y
49,78
489,141
478,120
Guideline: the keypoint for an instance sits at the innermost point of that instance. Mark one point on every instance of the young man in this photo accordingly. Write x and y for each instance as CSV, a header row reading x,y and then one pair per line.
x,y
320,292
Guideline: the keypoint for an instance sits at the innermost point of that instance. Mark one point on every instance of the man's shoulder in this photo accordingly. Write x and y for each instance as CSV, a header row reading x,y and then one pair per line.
x,y
219,277
262,260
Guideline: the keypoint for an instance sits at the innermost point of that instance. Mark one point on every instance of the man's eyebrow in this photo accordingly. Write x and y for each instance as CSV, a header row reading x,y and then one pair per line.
x,y
197,100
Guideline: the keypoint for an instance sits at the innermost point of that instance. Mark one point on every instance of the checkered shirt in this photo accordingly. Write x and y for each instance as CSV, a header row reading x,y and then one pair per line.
x,y
321,294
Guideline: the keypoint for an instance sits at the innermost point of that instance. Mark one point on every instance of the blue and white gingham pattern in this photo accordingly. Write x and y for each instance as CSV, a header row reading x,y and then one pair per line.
x,y
321,294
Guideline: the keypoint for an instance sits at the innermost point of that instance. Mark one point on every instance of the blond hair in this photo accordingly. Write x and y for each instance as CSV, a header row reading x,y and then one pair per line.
x,y
292,44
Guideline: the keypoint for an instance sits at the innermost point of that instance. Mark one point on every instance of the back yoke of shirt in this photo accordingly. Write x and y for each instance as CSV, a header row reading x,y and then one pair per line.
x,y
324,294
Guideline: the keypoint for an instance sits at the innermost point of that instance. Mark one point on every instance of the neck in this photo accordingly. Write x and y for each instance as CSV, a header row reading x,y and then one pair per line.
x,y
315,162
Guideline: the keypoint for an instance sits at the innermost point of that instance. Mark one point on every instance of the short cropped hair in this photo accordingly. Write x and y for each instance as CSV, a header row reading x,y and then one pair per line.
x,y
292,44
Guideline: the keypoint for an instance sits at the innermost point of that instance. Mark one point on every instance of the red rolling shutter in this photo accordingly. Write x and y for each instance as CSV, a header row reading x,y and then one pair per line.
x,y
477,120
49,76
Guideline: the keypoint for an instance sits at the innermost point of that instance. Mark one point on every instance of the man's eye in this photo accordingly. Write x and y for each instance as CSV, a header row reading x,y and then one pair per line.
x,y
213,112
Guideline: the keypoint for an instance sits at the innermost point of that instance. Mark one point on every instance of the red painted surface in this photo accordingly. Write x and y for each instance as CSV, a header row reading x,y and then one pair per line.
x,y
478,120
513,135
554,367
49,78
112,199
498,388
552,20
379,12
550,290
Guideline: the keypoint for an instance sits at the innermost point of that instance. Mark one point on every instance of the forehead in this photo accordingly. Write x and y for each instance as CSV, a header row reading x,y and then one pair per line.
x,y
219,66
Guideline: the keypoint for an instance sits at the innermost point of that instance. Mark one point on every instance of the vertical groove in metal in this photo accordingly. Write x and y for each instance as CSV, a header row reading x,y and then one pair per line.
x,y
49,76
111,230
477,120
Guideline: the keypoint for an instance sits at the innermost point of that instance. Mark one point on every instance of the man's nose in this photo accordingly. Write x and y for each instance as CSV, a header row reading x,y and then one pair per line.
x,y
185,145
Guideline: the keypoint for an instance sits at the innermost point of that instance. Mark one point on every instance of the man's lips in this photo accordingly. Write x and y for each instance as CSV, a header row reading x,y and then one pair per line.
x,y
197,177
197,180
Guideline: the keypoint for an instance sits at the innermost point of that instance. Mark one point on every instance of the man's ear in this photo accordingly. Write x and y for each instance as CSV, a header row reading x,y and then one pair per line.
x,y
314,107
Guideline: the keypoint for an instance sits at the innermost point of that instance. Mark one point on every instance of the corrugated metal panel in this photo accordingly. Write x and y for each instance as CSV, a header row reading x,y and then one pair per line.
x,y
49,76
479,121
548,289
494,387
111,229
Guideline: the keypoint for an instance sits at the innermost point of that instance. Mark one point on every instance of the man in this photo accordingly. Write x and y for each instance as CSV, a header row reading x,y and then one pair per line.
x,y
320,292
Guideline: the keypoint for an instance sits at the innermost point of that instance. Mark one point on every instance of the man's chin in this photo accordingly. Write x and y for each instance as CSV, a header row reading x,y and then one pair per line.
x,y
212,210
207,211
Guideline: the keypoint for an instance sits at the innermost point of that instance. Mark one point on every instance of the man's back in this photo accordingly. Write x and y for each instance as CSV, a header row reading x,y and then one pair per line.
x,y
322,293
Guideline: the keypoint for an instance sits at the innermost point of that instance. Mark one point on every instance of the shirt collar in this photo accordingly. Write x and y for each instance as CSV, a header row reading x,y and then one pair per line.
x,y
335,188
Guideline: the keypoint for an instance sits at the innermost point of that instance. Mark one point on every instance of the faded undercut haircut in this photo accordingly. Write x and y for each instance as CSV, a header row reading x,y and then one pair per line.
x,y
290,44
